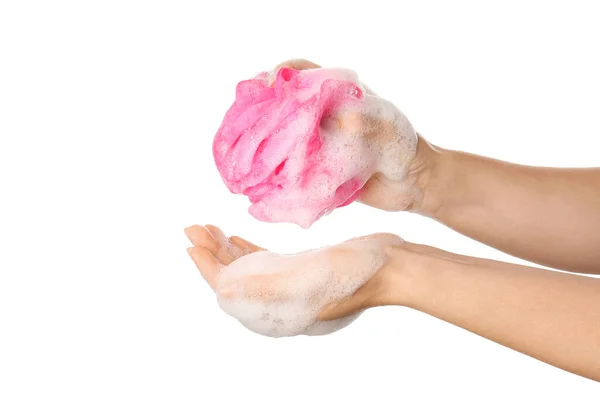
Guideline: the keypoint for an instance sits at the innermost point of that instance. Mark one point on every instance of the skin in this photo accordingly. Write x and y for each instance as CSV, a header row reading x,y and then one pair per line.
x,y
544,314
549,315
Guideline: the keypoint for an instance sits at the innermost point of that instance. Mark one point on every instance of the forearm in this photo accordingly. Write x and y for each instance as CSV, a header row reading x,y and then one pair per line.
x,y
547,215
549,315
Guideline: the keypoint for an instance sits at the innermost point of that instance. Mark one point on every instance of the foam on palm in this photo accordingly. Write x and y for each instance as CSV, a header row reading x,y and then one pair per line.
x,y
307,144
281,295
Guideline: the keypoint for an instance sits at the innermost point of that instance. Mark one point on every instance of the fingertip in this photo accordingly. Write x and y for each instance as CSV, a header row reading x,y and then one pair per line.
x,y
189,229
193,232
243,243
238,241
295,63
206,263
200,236
215,231
195,254
203,255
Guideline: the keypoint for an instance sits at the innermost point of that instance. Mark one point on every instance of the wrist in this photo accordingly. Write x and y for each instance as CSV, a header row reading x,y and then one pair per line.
x,y
415,272
432,169
402,274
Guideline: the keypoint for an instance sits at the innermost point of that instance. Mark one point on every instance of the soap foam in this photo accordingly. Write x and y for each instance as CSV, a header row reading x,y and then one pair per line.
x,y
281,295
309,143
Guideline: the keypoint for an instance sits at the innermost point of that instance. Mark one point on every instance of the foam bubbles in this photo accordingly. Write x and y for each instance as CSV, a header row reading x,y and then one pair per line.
x,y
281,295
308,144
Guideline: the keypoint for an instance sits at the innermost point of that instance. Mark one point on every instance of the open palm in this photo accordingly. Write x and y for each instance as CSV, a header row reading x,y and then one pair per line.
x,y
213,252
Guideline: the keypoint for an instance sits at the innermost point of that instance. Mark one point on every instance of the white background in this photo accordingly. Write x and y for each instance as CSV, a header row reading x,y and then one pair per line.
x,y
107,114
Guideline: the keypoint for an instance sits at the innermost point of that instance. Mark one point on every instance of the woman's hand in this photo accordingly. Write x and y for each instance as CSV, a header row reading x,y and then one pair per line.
x,y
384,191
534,311
546,215
285,295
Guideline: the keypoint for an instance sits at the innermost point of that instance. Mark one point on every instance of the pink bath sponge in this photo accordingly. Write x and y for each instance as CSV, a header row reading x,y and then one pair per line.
x,y
285,146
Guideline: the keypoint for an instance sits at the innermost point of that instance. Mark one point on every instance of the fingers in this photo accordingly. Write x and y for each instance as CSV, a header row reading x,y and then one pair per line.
x,y
228,251
297,63
213,250
244,244
207,264
214,240
201,237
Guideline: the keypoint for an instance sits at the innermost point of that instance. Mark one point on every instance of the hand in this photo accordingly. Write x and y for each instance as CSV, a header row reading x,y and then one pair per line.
x,y
314,292
386,191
